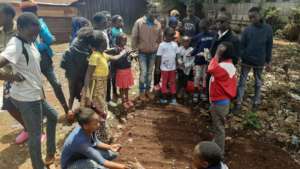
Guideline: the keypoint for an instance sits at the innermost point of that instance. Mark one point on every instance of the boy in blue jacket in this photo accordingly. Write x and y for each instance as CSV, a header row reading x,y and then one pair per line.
x,y
203,43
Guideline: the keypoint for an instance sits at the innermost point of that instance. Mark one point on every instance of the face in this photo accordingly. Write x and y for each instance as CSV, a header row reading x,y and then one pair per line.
x,y
94,124
199,163
31,32
190,11
222,24
120,23
254,17
153,12
4,18
101,25
123,41
186,43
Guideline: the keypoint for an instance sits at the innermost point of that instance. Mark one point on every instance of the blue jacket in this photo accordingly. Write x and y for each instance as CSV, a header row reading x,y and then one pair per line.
x,y
256,45
46,39
203,40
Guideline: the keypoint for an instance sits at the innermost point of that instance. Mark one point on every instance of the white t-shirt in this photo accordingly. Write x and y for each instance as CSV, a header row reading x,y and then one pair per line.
x,y
168,52
31,89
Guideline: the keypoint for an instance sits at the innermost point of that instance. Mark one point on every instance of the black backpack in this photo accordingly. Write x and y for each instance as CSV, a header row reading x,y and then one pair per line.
x,y
24,51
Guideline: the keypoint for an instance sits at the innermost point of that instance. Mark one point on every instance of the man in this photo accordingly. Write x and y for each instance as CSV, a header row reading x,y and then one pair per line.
x,y
27,92
146,37
225,35
191,22
43,43
208,155
256,44
7,31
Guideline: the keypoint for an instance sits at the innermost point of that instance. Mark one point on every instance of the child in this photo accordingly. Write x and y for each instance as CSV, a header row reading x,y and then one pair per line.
x,y
204,41
223,88
95,85
168,51
173,23
75,63
208,155
117,29
185,64
124,76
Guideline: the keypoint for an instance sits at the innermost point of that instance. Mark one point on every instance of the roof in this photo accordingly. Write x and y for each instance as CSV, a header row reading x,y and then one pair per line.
x,y
45,2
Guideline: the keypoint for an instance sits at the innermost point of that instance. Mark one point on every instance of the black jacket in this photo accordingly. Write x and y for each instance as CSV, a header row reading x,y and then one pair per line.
x,y
228,37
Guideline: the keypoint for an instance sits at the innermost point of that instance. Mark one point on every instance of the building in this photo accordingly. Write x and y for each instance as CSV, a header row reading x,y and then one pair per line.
x,y
57,13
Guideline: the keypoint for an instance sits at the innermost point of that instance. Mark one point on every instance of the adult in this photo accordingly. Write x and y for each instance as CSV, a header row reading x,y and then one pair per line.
x,y
146,37
226,35
43,43
27,94
82,149
256,43
191,22
8,29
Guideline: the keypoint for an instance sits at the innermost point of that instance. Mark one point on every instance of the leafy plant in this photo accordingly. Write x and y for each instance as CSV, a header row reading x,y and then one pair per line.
x,y
252,121
273,17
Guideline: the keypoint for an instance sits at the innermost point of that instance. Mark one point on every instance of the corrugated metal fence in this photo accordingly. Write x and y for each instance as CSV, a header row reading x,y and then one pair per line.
x,y
129,9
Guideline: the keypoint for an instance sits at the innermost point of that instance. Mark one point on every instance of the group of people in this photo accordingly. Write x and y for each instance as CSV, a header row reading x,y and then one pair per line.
x,y
182,57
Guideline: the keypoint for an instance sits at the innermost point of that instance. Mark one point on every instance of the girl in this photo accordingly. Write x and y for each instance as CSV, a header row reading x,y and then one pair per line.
x,y
95,84
124,77
168,51
75,64
117,29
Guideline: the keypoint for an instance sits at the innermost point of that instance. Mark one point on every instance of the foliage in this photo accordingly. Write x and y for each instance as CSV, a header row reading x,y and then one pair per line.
x,y
234,1
292,29
252,121
273,17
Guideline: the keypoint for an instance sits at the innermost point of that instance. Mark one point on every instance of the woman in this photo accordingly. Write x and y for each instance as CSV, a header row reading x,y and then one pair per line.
x,y
82,149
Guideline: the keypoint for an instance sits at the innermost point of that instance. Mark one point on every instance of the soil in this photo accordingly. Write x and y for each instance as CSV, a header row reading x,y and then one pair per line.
x,y
157,136
162,138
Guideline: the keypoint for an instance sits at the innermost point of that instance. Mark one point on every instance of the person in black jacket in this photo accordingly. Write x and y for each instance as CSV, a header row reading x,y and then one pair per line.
x,y
225,35
256,45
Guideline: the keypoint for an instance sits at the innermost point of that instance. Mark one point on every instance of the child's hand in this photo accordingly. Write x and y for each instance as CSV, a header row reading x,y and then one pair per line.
x,y
115,147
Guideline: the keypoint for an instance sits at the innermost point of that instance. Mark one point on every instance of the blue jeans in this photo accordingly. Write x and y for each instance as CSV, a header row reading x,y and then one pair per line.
x,y
48,71
242,84
147,62
90,164
32,114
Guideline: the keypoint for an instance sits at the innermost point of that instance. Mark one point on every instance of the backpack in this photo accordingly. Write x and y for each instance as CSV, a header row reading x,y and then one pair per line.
x,y
24,51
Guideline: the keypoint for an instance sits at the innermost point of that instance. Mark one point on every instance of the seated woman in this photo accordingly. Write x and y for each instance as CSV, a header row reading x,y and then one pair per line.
x,y
82,149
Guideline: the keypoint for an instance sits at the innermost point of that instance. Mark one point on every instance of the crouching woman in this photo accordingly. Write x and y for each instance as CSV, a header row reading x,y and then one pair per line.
x,y
82,149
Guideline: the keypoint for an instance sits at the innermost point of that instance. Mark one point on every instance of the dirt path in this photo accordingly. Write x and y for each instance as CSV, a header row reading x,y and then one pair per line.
x,y
164,139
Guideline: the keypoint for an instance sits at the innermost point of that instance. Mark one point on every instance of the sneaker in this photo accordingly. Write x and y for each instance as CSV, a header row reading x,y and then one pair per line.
x,y
173,102
49,160
22,137
196,98
43,138
163,101
112,104
156,88
130,103
126,105
203,97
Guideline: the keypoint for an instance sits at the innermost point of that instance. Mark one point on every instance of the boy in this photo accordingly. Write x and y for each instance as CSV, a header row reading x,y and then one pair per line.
x,y
204,41
168,51
208,155
222,88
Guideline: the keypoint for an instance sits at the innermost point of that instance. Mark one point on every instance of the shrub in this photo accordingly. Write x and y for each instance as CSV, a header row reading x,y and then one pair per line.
x,y
273,17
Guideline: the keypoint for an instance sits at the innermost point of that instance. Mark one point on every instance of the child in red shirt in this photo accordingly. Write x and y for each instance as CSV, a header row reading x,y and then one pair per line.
x,y
223,88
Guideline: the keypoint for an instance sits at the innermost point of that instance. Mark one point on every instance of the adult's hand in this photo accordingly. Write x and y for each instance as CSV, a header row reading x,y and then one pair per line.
x,y
268,67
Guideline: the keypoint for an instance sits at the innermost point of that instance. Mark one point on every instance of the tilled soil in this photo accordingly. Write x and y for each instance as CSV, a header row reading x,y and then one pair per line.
x,y
161,138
